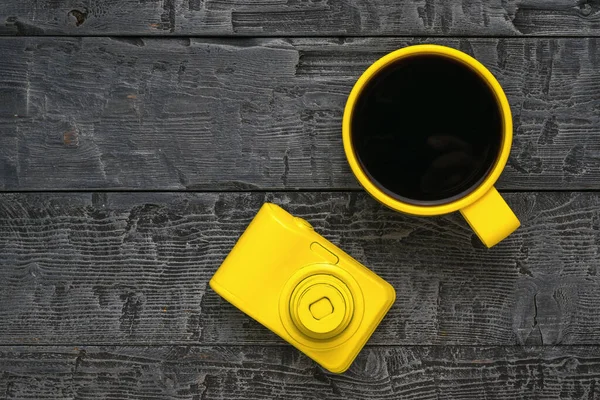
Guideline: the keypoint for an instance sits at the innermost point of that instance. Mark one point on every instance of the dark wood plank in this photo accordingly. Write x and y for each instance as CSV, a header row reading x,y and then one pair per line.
x,y
234,372
134,268
221,114
297,17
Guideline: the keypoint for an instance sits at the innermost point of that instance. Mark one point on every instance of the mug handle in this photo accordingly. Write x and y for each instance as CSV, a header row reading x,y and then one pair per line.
x,y
491,218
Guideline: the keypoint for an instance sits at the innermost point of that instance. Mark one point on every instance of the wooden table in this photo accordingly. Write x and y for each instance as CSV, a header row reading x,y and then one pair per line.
x,y
138,139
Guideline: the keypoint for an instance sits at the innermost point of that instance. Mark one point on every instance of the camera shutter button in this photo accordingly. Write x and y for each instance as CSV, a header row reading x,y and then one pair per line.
x,y
302,223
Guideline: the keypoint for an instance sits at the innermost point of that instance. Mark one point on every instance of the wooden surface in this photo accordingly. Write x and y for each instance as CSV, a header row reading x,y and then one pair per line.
x,y
301,18
234,372
134,268
222,114
139,138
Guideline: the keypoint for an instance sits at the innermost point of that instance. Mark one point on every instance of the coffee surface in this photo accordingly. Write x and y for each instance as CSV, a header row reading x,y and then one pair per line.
x,y
427,129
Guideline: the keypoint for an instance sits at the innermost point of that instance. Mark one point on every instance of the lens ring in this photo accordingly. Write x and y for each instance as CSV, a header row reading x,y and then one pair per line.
x,y
354,291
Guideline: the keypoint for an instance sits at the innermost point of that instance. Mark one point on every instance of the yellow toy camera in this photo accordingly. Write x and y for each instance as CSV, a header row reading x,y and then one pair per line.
x,y
302,287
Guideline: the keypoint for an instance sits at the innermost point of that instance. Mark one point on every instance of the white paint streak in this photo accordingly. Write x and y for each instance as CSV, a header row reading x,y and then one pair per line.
x,y
28,90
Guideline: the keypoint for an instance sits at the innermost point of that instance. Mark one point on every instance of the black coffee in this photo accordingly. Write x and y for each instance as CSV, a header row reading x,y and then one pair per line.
x,y
427,129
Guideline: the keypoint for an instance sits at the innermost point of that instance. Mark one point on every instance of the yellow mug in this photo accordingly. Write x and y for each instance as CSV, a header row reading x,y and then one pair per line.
x,y
481,205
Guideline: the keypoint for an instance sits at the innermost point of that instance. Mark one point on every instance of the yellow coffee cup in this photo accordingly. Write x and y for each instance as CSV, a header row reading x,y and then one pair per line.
x,y
427,131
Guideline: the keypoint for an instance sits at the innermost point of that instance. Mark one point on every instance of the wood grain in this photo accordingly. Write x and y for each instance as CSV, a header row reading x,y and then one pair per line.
x,y
221,114
134,268
300,18
263,372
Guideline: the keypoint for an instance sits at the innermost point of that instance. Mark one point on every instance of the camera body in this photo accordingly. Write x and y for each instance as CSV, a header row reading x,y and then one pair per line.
x,y
302,287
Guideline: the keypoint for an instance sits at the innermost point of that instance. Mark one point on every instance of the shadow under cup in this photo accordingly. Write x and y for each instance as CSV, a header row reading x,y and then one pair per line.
x,y
427,129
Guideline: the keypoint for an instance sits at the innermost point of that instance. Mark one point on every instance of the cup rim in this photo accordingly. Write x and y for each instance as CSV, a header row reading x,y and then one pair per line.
x,y
495,171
